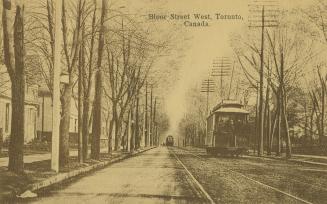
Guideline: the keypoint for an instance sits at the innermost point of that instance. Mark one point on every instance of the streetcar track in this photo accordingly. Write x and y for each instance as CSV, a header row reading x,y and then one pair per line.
x,y
208,197
294,180
255,181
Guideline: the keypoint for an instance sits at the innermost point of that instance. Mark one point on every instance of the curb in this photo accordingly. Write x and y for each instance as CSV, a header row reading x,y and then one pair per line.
x,y
68,175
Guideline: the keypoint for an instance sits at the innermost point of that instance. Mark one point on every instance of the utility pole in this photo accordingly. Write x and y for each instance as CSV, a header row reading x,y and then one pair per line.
x,y
261,11
208,86
230,83
256,144
261,111
56,89
221,68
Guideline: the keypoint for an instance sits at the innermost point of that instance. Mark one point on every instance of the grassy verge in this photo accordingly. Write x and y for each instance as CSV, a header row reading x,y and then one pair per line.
x,y
37,171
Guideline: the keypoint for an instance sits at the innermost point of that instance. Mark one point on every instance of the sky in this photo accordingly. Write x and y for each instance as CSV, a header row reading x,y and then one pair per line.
x,y
204,45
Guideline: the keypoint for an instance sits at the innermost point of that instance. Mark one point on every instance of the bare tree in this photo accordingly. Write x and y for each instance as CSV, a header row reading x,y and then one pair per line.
x,y
71,59
289,54
13,42
97,105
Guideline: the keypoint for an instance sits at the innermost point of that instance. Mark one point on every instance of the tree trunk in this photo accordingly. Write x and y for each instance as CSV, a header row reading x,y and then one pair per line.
x,y
130,131
267,111
287,136
85,128
151,118
278,149
271,140
64,125
311,124
16,145
97,108
66,94
81,69
146,116
143,127
118,131
137,125
306,135
154,123
111,125
80,116
268,129
117,125
132,128
124,141
322,132
1,140
97,119
88,89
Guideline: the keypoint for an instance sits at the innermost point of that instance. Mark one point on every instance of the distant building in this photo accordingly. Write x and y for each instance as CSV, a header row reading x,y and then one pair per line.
x,y
31,107
38,108
44,117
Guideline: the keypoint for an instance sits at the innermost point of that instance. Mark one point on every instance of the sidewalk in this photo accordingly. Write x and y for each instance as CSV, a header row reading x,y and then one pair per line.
x,y
40,157
38,175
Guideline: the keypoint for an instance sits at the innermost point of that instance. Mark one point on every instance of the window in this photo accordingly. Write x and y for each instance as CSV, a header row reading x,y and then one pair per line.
x,y
7,118
75,125
38,110
35,94
30,114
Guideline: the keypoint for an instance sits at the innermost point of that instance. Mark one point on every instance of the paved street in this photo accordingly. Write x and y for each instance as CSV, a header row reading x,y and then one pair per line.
x,y
152,177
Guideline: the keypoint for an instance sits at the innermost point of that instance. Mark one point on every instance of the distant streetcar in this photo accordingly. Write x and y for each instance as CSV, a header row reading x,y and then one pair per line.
x,y
227,129
170,140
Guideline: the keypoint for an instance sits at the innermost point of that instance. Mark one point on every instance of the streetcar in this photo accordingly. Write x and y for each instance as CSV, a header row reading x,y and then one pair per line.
x,y
227,129
170,140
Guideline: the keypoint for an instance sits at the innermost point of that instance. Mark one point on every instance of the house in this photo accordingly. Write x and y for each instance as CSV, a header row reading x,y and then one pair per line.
x,y
38,108
44,117
31,106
